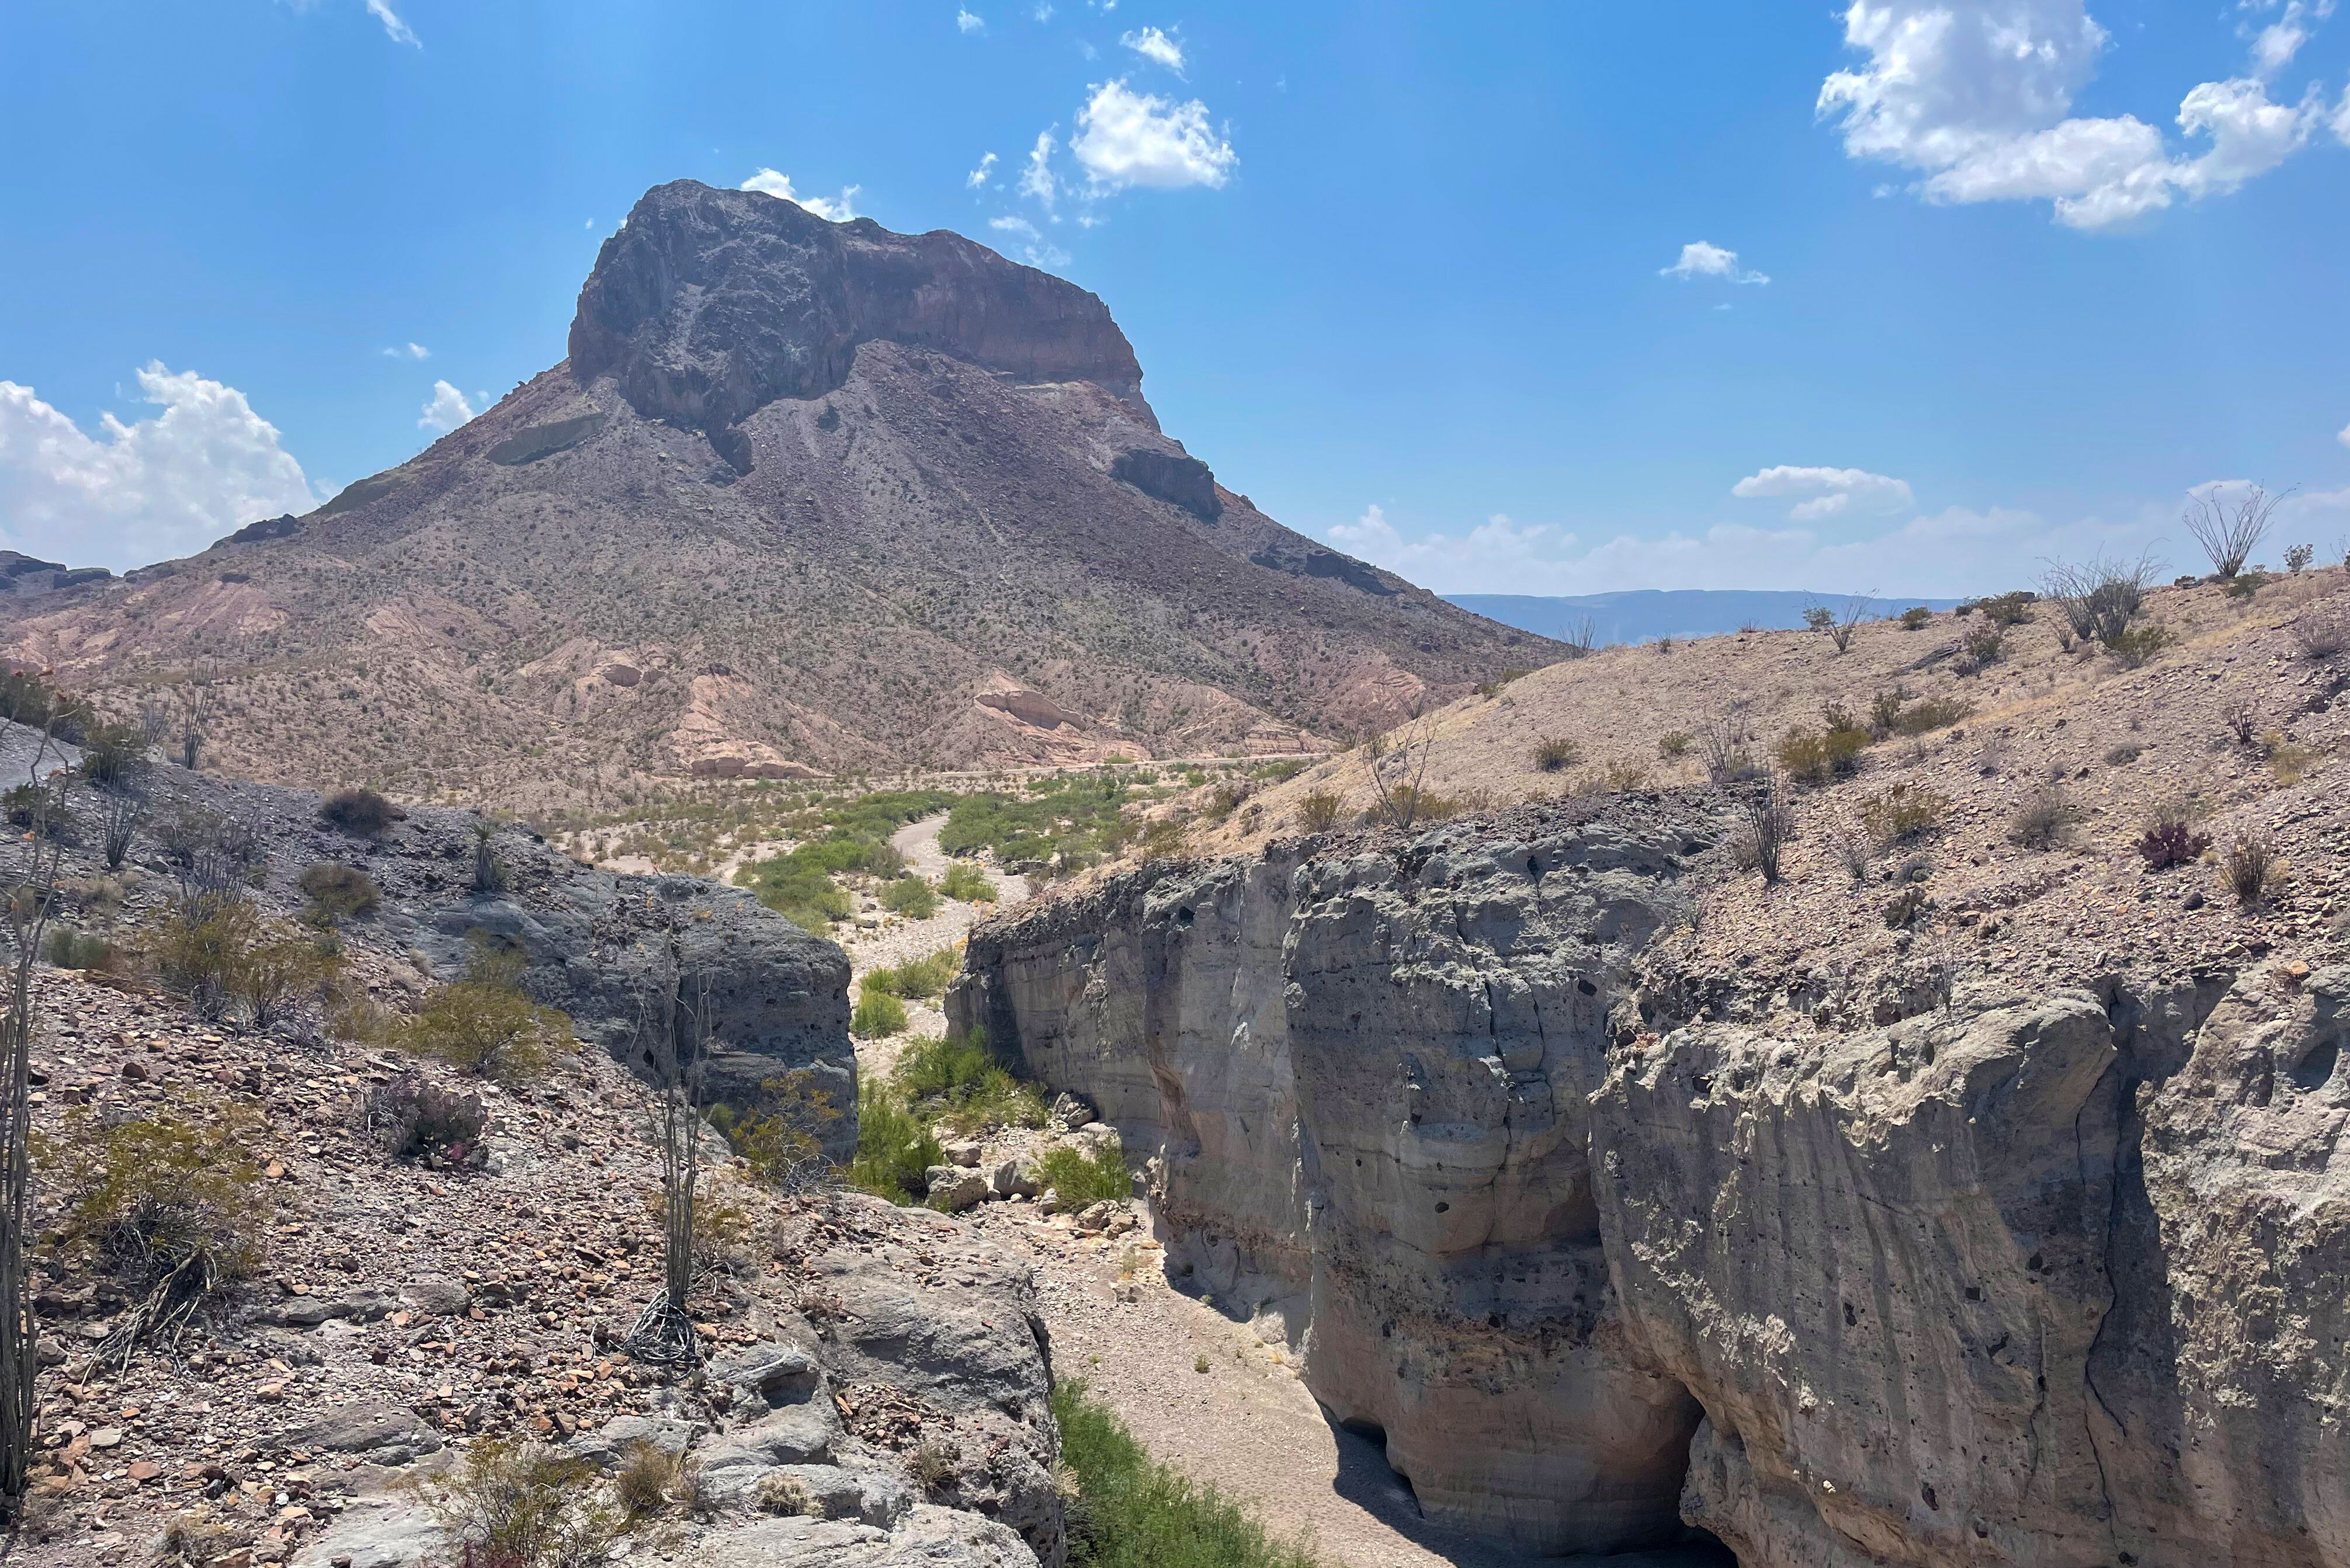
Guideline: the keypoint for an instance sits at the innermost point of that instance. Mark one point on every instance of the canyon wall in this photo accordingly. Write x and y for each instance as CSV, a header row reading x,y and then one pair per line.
x,y
2044,1279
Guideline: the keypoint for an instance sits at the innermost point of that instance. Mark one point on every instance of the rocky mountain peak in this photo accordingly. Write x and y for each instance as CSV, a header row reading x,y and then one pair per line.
x,y
708,304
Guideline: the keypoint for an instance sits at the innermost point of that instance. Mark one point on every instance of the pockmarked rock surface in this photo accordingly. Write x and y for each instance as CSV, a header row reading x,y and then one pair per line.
x,y
2042,1276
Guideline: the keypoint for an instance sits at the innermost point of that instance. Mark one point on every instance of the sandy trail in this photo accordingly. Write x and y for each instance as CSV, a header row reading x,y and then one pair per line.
x,y
896,939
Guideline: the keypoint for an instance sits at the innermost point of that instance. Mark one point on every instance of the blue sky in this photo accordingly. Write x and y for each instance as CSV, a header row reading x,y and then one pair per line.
x,y
1451,286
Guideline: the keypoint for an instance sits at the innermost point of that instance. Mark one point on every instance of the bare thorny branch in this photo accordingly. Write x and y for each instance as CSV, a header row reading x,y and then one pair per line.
x,y
673,1027
1401,799
30,902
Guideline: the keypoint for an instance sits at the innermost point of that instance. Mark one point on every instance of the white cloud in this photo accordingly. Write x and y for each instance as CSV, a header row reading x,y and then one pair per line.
x,y
398,31
2344,437
447,410
1126,138
967,22
2275,44
980,175
1036,179
1043,11
1826,491
1976,96
1703,259
146,491
2341,120
1035,250
838,209
409,351
1954,552
1154,44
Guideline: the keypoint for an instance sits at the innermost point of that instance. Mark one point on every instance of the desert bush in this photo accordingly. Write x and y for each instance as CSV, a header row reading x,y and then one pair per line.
x,y
787,1495
1675,744
171,1206
911,897
338,892
2229,528
967,884
958,1082
2170,839
1766,825
1131,1511
1916,618
486,1025
1318,811
2121,756
918,979
1982,644
1903,810
200,948
2009,608
2243,721
1618,775
275,971
71,948
1927,714
1903,909
2042,819
2134,645
895,1150
2252,867
1556,753
1816,756
112,756
1724,744
1854,851
650,1479
360,813
2245,584
2324,631
1079,1178
877,1015
2100,597
2298,556
781,1138
511,1503
416,1119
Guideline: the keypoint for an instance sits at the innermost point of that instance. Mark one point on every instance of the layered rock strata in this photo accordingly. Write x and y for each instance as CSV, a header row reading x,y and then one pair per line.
x,y
2031,1278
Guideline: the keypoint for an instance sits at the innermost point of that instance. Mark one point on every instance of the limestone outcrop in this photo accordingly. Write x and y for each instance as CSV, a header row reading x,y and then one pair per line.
x,y
2045,1278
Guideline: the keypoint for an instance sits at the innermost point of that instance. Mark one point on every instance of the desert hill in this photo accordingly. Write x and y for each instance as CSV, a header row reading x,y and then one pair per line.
x,y
804,497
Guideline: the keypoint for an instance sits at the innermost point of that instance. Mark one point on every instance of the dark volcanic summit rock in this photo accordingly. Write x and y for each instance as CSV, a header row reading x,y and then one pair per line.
x,y
805,497
710,305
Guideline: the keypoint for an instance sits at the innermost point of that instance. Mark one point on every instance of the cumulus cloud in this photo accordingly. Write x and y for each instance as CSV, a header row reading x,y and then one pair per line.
x,y
2275,43
1826,491
1125,138
967,21
1153,45
2344,437
838,208
409,351
1702,260
1951,554
980,175
146,491
1976,96
1036,180
447,410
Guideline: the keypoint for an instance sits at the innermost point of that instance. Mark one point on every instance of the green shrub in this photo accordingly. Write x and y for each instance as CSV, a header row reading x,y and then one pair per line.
x,y
511,1503
877,1015
1131,1511
1318,811
112,755
911,897
967,884
1816,756
781,1138
1556,753
71,948
1674,744
1902,811
1929,713
486,1026
2009,608
1916,618
895,1150
338,892
960,1083
361,813
918,979
1079,1179
2134,646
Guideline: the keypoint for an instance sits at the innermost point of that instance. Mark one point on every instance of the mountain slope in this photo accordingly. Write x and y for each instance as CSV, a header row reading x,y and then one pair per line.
x,y
805,496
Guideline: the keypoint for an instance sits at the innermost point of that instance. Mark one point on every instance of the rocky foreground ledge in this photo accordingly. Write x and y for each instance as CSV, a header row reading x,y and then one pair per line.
x,y
1967,1274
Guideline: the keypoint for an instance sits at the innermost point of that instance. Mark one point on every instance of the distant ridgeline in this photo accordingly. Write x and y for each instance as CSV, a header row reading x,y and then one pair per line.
x,y
22,574
1645,614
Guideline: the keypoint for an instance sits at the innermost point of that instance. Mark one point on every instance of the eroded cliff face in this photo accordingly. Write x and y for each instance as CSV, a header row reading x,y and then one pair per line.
x,y
2043,1278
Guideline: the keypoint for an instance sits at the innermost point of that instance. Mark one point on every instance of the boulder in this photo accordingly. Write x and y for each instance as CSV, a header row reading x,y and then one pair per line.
x,y
1014,1179
955,1189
